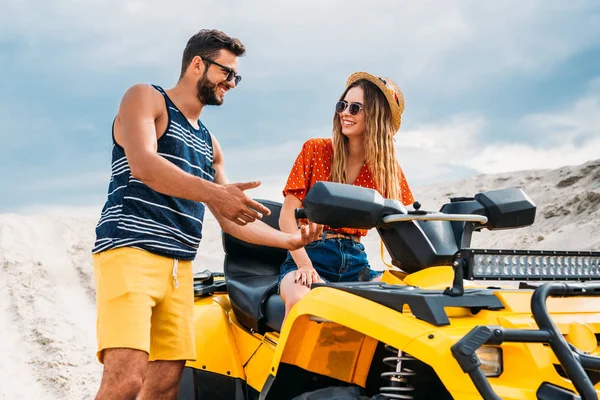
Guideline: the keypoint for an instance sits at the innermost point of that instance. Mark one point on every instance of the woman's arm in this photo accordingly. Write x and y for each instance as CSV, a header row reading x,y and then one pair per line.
x,y
306,273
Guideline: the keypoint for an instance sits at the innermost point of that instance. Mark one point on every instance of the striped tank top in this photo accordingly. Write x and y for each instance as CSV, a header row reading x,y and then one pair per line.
x,y
134,215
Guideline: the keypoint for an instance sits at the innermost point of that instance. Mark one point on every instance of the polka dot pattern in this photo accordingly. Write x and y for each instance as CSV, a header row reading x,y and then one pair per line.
x,y
313,164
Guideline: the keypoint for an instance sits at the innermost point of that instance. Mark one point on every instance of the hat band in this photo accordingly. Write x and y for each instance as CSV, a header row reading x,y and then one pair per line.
x,y
394,94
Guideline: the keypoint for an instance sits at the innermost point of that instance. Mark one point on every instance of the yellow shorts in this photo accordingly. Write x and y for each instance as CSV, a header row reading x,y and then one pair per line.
x,y
144,301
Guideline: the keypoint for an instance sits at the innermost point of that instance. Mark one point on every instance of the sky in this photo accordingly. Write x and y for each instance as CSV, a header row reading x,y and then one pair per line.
x,y
489,86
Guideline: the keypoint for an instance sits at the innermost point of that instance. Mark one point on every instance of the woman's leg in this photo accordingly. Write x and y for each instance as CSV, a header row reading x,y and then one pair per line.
x,y
325,258
291,291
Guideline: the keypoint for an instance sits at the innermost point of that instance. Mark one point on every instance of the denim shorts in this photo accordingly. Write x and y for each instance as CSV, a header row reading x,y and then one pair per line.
x,y
335,260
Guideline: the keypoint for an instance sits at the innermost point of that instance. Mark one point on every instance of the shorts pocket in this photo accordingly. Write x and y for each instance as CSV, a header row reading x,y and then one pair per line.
x,y
360,247
313,245
114,274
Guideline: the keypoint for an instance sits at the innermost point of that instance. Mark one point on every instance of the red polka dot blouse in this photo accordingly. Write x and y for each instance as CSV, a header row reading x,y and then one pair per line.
x,y
313,164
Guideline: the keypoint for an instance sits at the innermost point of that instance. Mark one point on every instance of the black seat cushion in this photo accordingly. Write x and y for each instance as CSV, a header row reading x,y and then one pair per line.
x,y
274,312
251,273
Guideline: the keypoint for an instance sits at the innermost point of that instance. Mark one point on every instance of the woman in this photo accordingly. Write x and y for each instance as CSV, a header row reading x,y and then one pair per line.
x,y
366,119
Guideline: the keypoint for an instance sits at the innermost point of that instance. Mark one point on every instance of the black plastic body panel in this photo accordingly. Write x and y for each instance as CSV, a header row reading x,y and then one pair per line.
x,y
416,245
507,208
548,391
348,206
203,385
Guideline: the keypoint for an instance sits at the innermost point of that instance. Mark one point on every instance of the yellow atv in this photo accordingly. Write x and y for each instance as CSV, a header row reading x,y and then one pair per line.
x,y
433,329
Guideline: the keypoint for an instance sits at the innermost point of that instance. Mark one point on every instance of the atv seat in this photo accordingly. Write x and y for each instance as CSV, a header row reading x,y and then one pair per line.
x,y
251,274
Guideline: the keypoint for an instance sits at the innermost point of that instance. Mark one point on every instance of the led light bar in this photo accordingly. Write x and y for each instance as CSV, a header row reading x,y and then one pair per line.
x,y
530,265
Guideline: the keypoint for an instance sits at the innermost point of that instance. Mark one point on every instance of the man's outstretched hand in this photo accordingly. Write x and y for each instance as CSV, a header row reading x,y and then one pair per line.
x,y
308,233
232,203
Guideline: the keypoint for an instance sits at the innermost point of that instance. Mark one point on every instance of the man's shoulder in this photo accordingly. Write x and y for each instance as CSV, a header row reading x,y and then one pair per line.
x,y
143,96
143,90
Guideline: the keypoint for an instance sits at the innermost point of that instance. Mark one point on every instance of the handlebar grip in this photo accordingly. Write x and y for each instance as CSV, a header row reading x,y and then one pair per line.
x,y
300,213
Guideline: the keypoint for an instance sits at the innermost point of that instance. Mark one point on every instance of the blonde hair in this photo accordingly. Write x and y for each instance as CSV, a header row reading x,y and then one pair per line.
x,y
380,154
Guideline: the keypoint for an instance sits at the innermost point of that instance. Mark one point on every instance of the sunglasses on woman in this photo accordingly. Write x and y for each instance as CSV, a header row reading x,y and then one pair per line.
x,y
353,108
231,74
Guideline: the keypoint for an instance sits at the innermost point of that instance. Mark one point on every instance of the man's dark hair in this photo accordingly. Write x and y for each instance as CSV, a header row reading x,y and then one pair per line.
x,y
207,43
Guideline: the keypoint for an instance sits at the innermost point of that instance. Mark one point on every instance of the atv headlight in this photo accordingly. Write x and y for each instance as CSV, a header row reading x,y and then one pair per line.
x,y
491,360
532,265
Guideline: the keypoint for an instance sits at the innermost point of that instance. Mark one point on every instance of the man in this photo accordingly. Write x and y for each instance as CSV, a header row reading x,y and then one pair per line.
x,y
166,167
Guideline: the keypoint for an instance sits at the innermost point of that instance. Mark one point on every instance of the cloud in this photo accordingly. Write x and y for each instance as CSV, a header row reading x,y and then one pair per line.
x,y
439,151
71,181
65,64
270,189
87,211
456,147
570,136
578,124
517,157
414,40
563,137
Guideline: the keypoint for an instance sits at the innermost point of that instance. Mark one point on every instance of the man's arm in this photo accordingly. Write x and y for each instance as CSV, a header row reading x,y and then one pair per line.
x,y
306,274
288,224
258,232
140,107
262,234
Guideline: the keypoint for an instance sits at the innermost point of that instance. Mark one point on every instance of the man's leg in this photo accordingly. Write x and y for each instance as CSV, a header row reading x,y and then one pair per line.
x,y
172,335
128,282
162,380
124,371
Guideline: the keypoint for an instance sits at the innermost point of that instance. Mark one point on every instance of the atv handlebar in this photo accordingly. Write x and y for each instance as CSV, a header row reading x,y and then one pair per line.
x,y
300,213
434,217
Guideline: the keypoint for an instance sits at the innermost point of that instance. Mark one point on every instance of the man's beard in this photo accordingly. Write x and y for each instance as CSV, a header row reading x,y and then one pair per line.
x,y
207,92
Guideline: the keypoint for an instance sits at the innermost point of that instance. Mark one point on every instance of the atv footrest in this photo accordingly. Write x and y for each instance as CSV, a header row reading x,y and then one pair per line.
x,y
426,305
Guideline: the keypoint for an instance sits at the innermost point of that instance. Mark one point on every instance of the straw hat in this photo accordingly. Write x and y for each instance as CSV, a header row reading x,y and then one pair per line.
x,y
392,93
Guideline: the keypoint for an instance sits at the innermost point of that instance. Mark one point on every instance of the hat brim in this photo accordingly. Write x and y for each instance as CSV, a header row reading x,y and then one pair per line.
x,y
395,107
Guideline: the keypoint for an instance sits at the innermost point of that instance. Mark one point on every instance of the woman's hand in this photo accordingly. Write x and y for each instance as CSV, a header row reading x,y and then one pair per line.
x,y
307,275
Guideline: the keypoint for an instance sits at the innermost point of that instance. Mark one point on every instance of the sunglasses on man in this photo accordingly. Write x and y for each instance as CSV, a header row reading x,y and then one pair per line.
x,y
231,74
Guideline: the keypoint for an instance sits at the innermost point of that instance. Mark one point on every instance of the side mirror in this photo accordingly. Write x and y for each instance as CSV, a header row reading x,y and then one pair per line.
x,y
507,208
341,205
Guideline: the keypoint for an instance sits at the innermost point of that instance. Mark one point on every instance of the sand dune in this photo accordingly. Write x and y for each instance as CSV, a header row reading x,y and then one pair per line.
x,y
47,308
47,314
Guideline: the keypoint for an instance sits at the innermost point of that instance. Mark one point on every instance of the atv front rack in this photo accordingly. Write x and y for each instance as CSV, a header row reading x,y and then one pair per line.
x,y
573,361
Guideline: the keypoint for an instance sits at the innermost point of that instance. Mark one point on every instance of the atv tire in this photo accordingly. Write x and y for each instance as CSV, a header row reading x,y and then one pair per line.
x,y
333,393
